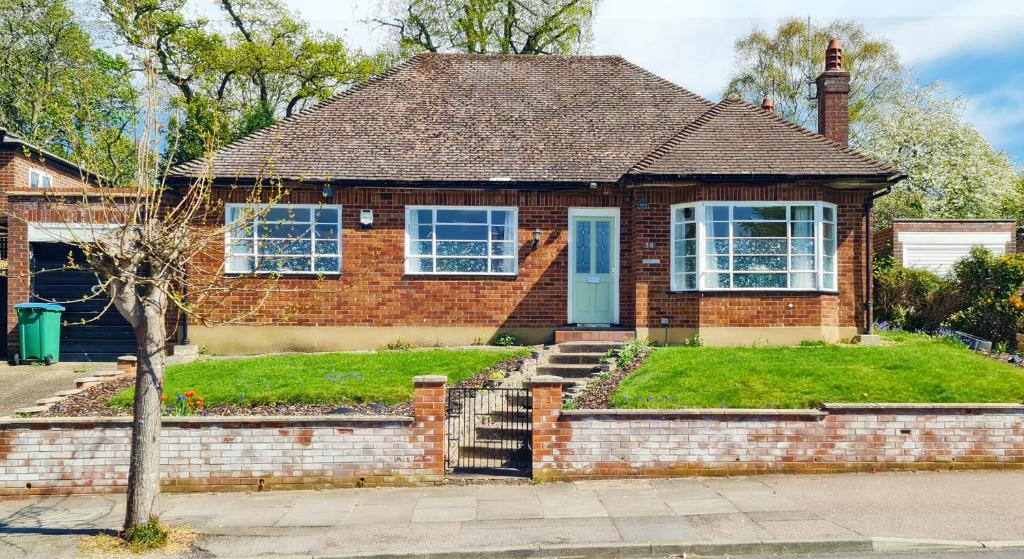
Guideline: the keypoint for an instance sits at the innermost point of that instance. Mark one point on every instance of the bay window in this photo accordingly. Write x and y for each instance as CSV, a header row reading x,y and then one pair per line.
x,y
286,239
754,246
461,240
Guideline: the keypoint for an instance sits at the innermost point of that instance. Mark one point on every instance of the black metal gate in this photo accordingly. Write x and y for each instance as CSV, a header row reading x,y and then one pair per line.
x,y
488,430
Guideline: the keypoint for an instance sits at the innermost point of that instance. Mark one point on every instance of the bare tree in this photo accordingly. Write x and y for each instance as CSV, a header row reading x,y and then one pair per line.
x,y
142,241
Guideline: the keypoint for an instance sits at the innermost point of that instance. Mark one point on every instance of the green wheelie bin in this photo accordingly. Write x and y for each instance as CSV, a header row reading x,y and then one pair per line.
x,y
38,333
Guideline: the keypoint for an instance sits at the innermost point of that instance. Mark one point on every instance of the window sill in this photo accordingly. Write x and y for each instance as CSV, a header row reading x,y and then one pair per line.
x,y
755,290
503,277
284,275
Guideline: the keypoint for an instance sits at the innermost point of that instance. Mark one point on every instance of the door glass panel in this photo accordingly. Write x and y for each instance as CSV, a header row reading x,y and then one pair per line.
x,y
603,249
582,247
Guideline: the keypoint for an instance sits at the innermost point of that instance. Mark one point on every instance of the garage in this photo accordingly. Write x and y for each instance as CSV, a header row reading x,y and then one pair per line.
x,y
101,338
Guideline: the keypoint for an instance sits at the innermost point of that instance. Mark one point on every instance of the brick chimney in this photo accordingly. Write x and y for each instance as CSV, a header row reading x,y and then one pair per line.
x,y
768,105
834,96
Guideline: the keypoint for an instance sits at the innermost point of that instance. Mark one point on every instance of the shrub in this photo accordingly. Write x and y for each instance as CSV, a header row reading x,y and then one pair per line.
x,y
991,285
632,350
507,339
910,299
145,537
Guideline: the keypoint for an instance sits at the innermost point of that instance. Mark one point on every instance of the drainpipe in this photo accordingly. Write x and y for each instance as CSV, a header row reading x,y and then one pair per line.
x,y
183,328
869,275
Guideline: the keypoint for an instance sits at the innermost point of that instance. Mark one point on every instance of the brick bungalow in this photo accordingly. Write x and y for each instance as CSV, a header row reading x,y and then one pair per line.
x,y
459,196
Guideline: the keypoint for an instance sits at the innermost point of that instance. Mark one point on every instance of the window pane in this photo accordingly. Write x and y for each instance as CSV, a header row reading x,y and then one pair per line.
x,y
286,214
327,247
422,232
502,233
802,213
285,247
462,232
828,213
421,247
802,246
759,263
452,248
718,247
802,229
760,246
285,264
602,246
501,217
285,230
684,214
828,263
718,229
829,281
769,281
582,247
420,265
687,264
503,249
462,265
717,213
424,216
802,263
462,216
759,213
330,264
685,248
717,262
327,215
718,281
801,280
239,264
690,281
503,265
758,229
241,246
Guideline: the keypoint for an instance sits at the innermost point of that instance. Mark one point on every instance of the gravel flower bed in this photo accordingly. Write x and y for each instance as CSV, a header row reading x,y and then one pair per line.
x,y
94,401
598,394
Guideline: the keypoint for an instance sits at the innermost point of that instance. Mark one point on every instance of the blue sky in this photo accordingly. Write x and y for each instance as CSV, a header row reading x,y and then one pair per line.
x,y
976,47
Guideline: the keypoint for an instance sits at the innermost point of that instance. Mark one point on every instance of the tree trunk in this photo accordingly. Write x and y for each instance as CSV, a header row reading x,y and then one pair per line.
x,y
144,470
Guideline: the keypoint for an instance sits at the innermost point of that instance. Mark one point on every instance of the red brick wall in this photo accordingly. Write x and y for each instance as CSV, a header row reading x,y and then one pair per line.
x,y
373,290
834,106
576,444
60,456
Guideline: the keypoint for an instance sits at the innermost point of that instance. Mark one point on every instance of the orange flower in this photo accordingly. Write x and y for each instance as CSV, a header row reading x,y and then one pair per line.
x,y
190,404
163,398
189,394
199,402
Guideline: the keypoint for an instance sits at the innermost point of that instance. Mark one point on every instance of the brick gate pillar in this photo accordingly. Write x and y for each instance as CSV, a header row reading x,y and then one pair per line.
x,y
428,428
546,393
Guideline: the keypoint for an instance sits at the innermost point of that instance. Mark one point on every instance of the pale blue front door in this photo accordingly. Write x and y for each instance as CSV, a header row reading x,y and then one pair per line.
x,y
592,269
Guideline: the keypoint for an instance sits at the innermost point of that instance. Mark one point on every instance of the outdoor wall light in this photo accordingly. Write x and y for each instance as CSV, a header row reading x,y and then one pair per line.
x,y
327,191
366,218
536,238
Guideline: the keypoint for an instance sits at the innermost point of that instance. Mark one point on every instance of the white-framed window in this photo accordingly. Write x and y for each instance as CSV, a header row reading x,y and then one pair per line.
x,y
783,246
285,239
39,179
461,240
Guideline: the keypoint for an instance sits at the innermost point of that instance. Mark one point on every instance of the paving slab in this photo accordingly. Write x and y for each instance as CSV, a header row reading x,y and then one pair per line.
x,y
701,506
655,529
445,514
571,505
536,532
370,514
518,509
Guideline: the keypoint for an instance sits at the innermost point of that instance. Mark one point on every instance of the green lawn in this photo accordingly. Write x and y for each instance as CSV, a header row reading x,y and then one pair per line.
x,y
908,368
331,378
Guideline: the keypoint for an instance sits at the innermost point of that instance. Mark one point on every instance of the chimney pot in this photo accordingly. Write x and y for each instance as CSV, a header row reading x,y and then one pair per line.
x,y
833,56
768,105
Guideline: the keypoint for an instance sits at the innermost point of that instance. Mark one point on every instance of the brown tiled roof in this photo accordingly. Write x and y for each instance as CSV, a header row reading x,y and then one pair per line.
x,y
735,138
450,117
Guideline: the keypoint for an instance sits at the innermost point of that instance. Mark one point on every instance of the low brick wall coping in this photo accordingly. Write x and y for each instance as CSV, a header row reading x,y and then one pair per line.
x,y
545,380
693,412
944,407
14,422
429,379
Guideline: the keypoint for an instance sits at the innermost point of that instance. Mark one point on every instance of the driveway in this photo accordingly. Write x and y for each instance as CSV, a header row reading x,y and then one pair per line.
x,y
21,386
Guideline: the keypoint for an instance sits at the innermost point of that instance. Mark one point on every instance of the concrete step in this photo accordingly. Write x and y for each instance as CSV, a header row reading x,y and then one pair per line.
x,y
49,401
31,410
106,374
70,392
517,432
88,382
559,358
586,347
569,371
504,451
593,335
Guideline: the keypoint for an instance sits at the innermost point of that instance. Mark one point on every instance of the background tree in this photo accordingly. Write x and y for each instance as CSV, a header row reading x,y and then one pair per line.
x,y
491,26
60,92
232,77
775,64
953,172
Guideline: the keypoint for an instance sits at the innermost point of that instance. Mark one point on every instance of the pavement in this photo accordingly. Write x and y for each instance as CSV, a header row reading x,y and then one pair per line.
x,y
21,386
886,512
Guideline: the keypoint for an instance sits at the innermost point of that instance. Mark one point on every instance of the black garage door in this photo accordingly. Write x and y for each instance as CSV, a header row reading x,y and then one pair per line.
x,y
102,339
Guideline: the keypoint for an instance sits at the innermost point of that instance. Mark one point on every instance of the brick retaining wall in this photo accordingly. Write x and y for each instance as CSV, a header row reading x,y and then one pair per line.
x,y
44,456
574,444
